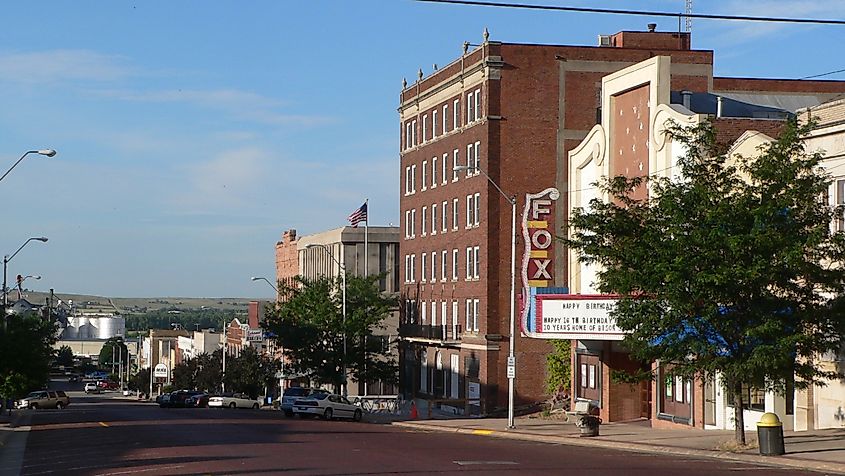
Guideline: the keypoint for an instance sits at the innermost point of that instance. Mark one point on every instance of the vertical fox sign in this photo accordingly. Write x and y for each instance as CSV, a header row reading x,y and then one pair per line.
x,y
538,256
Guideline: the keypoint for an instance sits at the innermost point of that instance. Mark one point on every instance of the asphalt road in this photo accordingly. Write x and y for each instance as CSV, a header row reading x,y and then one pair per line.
x,y
102,435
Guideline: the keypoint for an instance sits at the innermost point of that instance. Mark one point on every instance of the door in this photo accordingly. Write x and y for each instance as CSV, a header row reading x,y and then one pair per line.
x,y
675,395
709,402
588,375
454,365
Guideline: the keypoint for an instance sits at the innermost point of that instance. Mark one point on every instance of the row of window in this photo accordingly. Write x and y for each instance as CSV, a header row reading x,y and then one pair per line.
x,y
440,221
473,160
442,124
429,309
430,269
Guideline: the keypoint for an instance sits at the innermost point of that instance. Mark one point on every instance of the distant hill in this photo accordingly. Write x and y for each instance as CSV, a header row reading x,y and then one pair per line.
x,y
142,305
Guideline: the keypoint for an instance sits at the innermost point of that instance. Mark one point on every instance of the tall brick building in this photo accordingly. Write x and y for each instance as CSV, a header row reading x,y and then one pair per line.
x,y
515,111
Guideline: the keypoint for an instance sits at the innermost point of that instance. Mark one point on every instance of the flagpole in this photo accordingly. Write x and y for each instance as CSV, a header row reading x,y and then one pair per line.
x,y
366,273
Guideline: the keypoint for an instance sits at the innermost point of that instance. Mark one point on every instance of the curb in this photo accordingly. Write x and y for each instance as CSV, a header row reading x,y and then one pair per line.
x,y
639,448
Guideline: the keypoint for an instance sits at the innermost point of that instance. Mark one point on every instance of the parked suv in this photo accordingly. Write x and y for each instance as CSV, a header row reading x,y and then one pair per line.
x,y
44,399
294,393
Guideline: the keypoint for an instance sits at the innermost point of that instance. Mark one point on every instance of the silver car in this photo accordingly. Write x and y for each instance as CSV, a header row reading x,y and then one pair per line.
x,y
44,399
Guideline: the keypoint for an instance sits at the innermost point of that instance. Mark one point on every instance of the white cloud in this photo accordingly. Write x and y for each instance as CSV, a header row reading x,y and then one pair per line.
x,y
54,66
222,183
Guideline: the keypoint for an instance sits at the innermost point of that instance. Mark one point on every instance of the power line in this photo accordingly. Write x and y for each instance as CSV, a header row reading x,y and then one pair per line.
x,y
480,3
824,74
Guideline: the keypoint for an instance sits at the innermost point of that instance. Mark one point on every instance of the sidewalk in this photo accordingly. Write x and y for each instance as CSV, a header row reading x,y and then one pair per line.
x,y
821,450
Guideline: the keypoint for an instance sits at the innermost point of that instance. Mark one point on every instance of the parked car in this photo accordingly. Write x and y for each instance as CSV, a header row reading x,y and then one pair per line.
x,y
177,398
74,378
199,400
233,400
163,400
91,387
44,399
327,405
294,393
108,385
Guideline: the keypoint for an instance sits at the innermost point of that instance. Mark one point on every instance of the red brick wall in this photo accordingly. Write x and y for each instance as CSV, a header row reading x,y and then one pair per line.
x,y
287,259
728,130
651,40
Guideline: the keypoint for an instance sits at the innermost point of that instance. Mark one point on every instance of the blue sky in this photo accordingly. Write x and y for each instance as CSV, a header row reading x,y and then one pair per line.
x,y
190,135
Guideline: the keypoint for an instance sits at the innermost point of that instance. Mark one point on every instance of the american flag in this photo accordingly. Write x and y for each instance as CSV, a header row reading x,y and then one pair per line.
x,y
358,215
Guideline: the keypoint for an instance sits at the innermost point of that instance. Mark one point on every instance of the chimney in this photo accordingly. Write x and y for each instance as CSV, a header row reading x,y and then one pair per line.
x,y
718,106
652,27
686,98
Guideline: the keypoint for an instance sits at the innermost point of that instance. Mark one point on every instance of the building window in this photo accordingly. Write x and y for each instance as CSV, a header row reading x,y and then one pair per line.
x,y
477,156
424,308
470,160
477,104
443,175
433,313
414,132
443,260
475,315
476,258
434,219
443,315
407,224
414,178
413,223
445,115
470,211
454,265
407,180
434,123
476,206
413,268
470,108
433,172
456,160
424,372
424,174
469,263
455,317
433,266
456,114
840,200
407,268
424,216
455,212
444,217
423,268
468,308
425,128
408,135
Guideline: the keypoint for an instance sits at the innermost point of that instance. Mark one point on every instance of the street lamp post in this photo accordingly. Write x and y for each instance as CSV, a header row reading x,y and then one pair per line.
x,y
24,278
511,364
262,278
45,152
344,389
6,260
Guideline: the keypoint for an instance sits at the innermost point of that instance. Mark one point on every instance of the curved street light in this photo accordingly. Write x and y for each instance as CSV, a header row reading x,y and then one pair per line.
x,y
8,258
344,388
262,278
511,342
44,152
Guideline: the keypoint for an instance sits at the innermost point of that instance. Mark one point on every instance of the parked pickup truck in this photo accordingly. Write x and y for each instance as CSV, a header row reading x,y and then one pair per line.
x,y
44,399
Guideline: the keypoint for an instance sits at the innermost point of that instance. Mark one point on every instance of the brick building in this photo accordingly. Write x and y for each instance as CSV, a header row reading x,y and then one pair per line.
x,y
515,111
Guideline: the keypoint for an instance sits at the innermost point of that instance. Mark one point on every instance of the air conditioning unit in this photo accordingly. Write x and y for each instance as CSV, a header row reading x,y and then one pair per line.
x,y
604,40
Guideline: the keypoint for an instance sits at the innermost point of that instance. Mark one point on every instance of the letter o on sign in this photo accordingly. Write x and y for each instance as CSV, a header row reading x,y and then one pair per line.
x,y
541,239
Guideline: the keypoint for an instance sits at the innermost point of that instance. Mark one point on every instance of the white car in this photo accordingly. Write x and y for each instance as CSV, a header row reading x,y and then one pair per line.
x,y
91,387
233,400
328,406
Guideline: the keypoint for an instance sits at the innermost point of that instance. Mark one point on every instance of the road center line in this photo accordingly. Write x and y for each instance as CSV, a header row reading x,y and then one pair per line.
x,y
103,424
482,432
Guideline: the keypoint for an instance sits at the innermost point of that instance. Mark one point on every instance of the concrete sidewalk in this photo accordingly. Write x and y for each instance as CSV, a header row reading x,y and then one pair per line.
x,y
821,450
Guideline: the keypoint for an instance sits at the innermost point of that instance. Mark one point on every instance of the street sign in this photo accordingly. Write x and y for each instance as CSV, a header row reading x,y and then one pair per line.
x,y
255,335
511,371
160,371
511,361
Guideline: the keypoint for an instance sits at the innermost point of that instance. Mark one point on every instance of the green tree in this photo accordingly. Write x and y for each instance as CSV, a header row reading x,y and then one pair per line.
x,y
64,356
250,372
731,269
308,324
26,352
140,381
558,368
111,353
203,372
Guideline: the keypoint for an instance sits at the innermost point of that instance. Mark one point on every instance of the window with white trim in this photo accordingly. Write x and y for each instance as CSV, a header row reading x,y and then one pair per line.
x,y
476,206
456,160
444,256
469,263
455,264
408,137
434,219
424,175
840,200
477,104
423,268
407,180
414,132
470,108
476,155
424,306
456,114
468,306
424,128
433,172
476,262
444,175
413,268
455,213
443,315
434,313
470,212
445,115
407,268
424,215
407,224
413,223
455,317
433,266
434,123
470,161
475,315
444,216
414,178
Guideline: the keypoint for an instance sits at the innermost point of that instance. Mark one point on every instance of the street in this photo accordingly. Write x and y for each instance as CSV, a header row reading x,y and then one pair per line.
x,y
110,435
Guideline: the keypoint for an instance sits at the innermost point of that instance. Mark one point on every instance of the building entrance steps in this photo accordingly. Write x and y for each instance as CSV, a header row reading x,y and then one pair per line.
x,y
822,450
